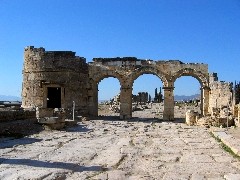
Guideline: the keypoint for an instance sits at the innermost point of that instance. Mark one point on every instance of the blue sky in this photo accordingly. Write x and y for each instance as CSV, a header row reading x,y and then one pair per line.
x,y
204,31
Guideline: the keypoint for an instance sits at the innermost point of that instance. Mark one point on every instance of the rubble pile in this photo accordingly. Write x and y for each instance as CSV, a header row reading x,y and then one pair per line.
x,y
115,104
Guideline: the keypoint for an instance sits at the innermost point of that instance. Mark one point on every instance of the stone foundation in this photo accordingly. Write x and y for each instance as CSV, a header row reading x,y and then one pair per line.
x,y
12,115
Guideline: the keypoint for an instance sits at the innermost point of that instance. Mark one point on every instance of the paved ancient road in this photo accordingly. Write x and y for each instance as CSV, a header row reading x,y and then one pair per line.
x,y
100,149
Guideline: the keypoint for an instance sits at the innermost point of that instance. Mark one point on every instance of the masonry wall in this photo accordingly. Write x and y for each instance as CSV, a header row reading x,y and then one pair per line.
x,y
78,80
61,69
220,95
169,67
10,115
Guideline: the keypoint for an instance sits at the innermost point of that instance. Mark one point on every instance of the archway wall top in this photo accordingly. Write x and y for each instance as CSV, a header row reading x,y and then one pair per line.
x,y
200,73
127,69
98,73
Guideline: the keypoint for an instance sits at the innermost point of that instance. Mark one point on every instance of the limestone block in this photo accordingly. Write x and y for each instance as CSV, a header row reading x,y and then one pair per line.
x,y
191,117
49,120
231,176
238,113
44,112
55,126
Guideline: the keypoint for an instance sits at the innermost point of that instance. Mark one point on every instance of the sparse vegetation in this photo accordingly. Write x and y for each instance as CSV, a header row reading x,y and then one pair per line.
x,y
225,147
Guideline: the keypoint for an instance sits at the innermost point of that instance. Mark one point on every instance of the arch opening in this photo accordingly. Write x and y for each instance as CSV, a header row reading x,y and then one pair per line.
x,y
187,95
108,96
150,71
147,98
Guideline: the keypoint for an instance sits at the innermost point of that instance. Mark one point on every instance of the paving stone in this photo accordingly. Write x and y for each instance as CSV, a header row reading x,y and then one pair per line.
x,y
231,176
196,176
121,153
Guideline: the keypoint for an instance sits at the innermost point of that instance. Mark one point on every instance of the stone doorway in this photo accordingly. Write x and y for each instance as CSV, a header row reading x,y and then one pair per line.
x,y
53,97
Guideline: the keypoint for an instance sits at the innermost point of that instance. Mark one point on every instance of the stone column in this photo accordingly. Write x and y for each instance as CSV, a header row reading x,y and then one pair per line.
x,y
238,113
168,112
205,100
191,117
126,103
93,100
201,101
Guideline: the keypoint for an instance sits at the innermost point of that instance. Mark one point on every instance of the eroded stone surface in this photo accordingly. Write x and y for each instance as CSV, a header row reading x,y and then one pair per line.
x,y
111,149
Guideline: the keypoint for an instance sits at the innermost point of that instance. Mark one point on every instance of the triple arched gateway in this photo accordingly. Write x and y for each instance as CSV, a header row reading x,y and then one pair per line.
x,y
59,78
126,70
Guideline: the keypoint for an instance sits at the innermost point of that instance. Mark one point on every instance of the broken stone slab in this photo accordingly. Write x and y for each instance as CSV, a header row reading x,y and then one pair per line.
x,y
55,126
83,118
229,141
222,135
52,123
231,176
50,120
70,122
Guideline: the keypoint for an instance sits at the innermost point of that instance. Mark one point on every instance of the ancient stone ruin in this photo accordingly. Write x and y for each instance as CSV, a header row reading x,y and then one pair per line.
x,y
56,79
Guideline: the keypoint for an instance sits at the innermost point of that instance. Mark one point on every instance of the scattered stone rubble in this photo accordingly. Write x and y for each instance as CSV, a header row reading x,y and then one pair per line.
x,y
223,111
106,149
55,119
115,104
139,102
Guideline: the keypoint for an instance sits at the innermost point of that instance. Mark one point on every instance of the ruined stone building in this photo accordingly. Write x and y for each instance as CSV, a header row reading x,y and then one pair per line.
x,y
54,79
142,97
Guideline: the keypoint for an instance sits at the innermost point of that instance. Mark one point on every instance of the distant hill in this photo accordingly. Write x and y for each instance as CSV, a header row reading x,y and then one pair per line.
x,y
10,98
185,98
176,98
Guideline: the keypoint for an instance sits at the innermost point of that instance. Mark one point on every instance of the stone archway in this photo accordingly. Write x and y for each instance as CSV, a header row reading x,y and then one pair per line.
x,y
126,79
165,81
79,79
203,79
204,82
93,90
149,70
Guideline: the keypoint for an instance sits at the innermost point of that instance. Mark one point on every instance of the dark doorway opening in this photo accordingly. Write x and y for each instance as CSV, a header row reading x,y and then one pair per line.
x,y
54,97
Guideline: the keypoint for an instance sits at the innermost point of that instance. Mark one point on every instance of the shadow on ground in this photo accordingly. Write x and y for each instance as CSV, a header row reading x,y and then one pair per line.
x,y
44,164
11,142
20,128
137,119
78,128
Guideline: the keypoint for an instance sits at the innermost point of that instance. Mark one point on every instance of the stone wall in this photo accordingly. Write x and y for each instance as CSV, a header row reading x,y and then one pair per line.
x,y
142,97
18,128
220,95
47,71
128,69
10,115
54,69
236,114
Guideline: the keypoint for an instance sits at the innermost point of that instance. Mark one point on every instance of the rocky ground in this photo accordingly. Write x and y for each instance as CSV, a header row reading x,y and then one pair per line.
x,y
106,148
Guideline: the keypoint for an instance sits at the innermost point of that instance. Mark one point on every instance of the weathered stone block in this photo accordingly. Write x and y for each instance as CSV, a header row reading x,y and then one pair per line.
x,y
191,117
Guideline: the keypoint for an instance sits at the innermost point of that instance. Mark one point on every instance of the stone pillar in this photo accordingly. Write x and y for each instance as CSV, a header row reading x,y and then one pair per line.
x,y
205,100
93,100
168,112
201,101
191,117
238,113
126,103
